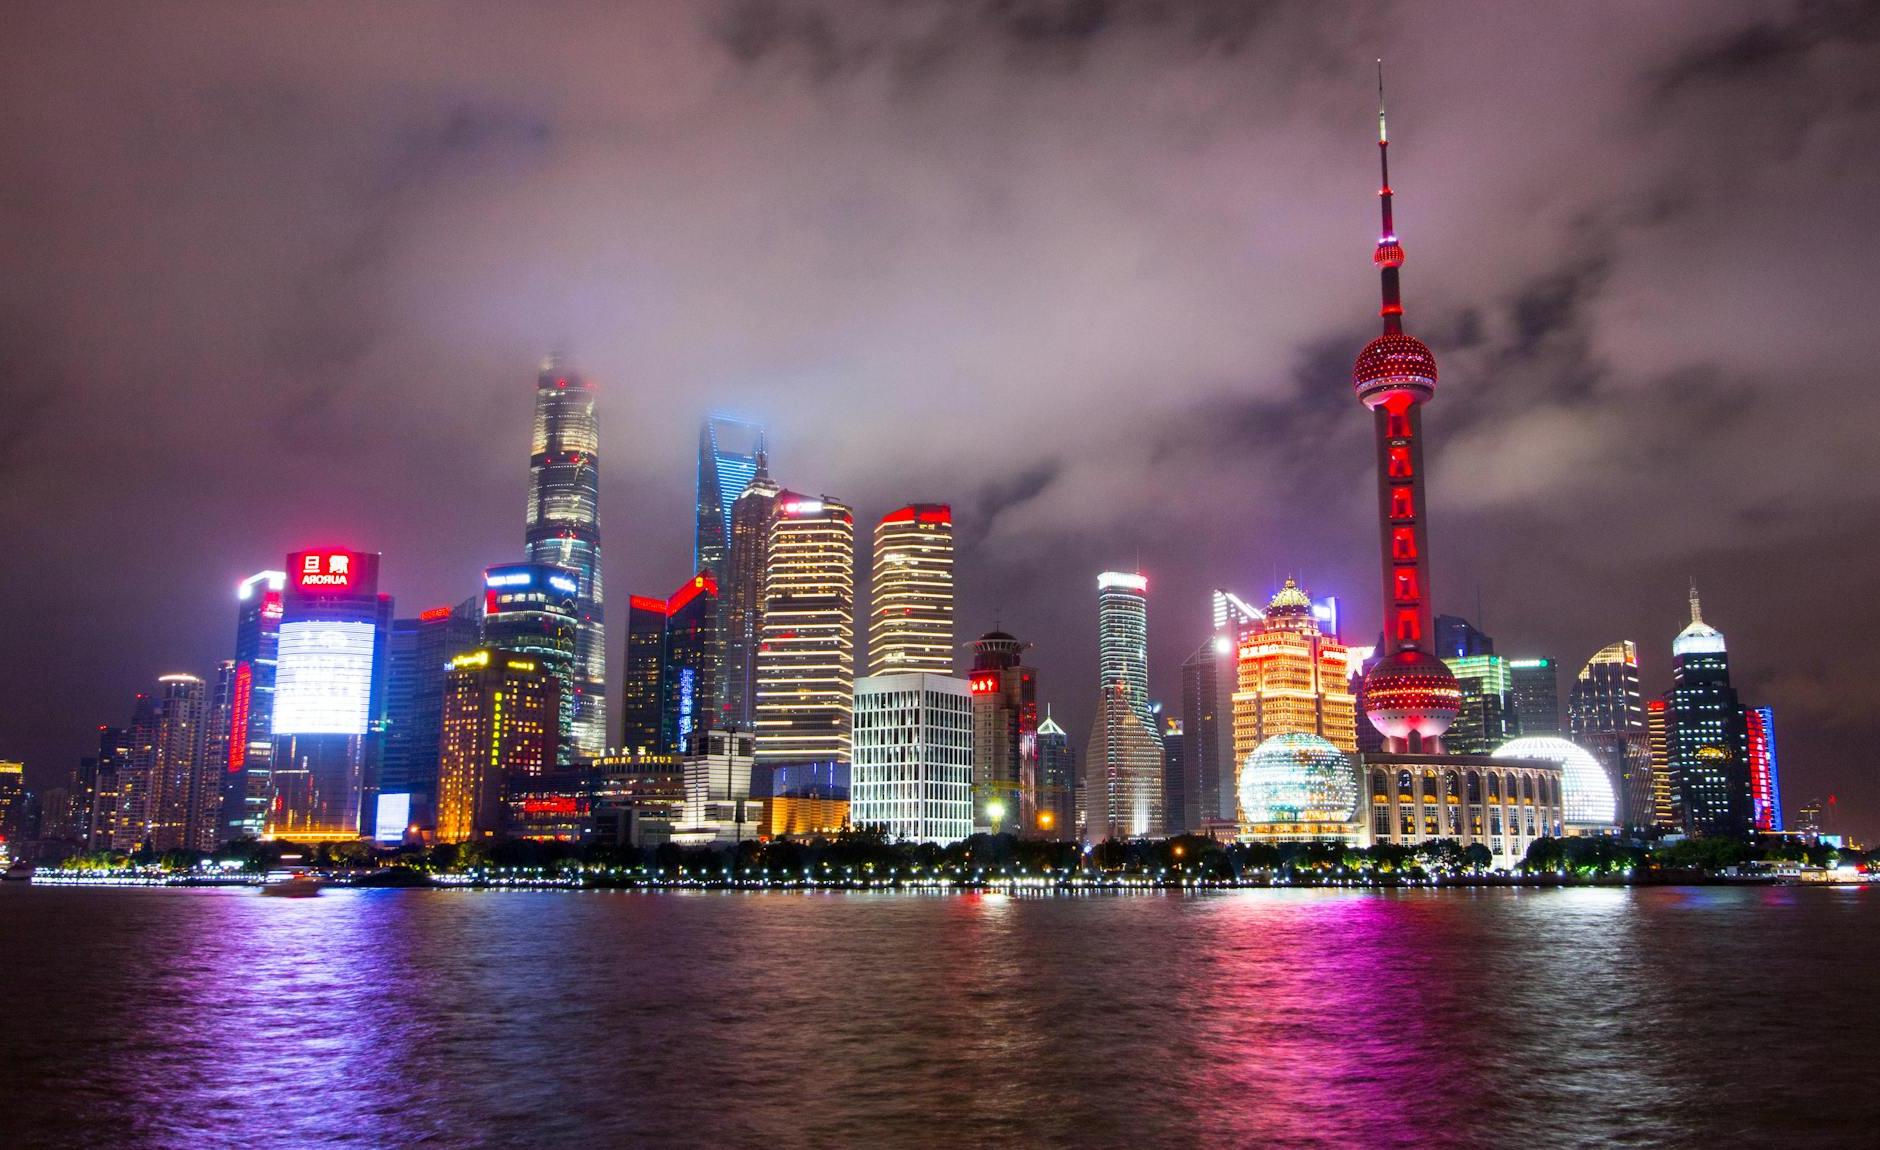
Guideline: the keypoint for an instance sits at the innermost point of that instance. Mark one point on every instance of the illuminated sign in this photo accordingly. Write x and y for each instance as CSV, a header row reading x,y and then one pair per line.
x,y
687,678
555,806
238,716
323,681
563,584
392,817
1128,581
985,684
275,580
1524,664
324,569
803,507
434,614
473,659
508,579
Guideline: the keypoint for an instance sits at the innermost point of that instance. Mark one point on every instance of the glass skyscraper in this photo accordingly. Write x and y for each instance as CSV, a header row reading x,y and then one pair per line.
x,y
533,609
729,454
742,591
1708,743
1606,715
245,784
564,531
1123,640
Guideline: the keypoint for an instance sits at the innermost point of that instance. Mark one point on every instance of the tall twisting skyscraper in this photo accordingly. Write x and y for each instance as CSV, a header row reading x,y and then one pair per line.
x,y
806,662
564,531
1410,696
911,626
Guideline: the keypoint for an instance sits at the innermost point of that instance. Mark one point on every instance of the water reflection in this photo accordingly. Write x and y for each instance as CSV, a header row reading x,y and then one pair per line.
x,y
1294,1018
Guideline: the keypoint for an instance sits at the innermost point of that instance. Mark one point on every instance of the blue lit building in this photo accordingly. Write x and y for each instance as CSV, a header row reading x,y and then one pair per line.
x,y
728,459
533,609
245,777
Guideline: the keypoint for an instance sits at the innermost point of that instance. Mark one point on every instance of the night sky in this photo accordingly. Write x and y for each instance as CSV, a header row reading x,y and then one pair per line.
x,y
280,276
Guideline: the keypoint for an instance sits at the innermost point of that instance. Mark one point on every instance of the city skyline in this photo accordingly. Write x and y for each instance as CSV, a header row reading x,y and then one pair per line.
x,y
144,603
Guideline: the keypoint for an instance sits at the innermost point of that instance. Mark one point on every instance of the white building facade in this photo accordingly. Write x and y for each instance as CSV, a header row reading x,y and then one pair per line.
x,y
913,767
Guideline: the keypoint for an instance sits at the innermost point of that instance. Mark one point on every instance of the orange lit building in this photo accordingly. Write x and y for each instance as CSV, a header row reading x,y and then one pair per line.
x,y
1293,679
501,718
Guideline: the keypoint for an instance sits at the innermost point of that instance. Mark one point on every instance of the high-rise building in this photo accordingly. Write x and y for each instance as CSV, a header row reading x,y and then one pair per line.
x,y
729,457
501,719
1665,816
911,625
1765,781
1057,781
1536,695
12,801
742,597
1708,736
1180,793
1209,679
806,662
640,693
913,756
1123,640
1122,783
101,783
672,665
1486,718
1005,736
1457,638
563,530
158,785
1410,695
1292,678
1606,716
534,610
247,786
214,793
329,697
418,662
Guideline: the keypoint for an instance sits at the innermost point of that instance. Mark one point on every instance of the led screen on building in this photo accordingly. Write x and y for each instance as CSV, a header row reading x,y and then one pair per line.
x,y
323,680
393,815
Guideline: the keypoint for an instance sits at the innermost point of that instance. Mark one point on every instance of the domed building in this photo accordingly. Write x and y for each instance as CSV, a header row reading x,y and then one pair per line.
x,y
1588,803
1292,678
1298,787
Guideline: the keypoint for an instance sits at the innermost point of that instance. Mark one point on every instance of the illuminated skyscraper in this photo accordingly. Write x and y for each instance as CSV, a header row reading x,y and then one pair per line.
x,y
329,697
742,595
672,666
157,787
533,609
1292,678
730,452
1005,736
1606,715
1123,641
1765,780
1209,679
1409,694
1057,781
102,787
1708,737
1122,785
806,662
501,718
564,531
1457,638
913,756
246,787
911,626
1536,696
207,824
1486,719
1664,783
640,694
418,659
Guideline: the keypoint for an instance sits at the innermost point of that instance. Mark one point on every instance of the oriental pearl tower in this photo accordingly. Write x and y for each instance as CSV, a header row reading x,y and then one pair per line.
x,y
1409,695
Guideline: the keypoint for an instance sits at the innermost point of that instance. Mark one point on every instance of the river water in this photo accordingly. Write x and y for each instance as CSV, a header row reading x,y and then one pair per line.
x,y
1492,1017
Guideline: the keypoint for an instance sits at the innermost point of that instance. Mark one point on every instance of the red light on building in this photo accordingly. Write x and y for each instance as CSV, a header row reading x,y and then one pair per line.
x,y
238,717
702,582
554,806
322,571
646,603
985,684
434,614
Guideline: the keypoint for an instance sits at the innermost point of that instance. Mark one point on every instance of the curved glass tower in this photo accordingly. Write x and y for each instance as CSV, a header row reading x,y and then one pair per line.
x,y
564,531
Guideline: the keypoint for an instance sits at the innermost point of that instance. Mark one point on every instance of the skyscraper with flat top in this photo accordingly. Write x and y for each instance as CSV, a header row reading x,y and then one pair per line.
x,y
742,594
245,783
806,661
563,530
1123,641
911,625
1005,736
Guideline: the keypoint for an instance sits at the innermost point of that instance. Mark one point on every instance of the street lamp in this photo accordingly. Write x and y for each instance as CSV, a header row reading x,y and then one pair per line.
x,y
995,810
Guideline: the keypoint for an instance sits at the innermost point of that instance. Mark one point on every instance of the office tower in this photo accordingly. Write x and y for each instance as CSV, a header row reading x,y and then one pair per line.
x,y
673,660
912,773
329,697
1606,716
1180,793
534,609
104,789
1057,781
1209,679
502,718
1765,781
564,531
640,693
1665,816
806,662
1486,718
1123,640
1005,736
12,800
1291,678
1457,638
730,454
418,661
1410,695
1536,695
1232,614
742,597
246,785
1708,736
1811,818
156,787
911,625
1122,784
214,787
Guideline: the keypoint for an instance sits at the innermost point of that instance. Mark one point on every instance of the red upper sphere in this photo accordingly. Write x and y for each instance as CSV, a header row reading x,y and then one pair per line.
x,y
1389,254
1394,364
1409,691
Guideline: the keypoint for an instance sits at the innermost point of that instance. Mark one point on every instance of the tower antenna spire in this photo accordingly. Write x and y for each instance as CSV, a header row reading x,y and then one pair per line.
x,y
1389,254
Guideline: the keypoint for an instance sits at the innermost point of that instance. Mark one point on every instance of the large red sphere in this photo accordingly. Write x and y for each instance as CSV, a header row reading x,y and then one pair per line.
x,y
1411,691
1394,364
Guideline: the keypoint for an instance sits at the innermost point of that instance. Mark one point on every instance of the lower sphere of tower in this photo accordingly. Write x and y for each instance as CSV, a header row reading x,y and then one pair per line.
x,y
1410,691
1391,365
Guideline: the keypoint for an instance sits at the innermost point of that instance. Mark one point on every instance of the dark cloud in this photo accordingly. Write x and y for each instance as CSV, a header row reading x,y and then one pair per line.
x,y
1095,272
